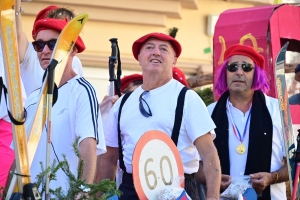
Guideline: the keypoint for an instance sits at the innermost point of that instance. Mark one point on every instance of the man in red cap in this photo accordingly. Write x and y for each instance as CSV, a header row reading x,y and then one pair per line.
x,y
31,75
74,115
152,107
249,132
131,82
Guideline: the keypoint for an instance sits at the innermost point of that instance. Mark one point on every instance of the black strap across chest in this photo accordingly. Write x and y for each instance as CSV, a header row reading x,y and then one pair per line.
x,y
176,127
12,119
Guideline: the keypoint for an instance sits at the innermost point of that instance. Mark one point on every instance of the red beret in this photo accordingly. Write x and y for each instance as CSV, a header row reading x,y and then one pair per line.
x,y
57,25
179,76
126,80
42,15
161,36
244,50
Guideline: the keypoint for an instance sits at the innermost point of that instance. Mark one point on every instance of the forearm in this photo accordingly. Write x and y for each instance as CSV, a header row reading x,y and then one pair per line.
x,y
211,167
88,154
107,165
22,38
280,175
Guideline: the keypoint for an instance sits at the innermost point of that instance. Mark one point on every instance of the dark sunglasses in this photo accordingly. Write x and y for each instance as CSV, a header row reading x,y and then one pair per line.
x,y
233,67
39,45
143,111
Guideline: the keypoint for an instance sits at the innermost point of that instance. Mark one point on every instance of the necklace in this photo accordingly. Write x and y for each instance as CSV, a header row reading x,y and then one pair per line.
x,y
240,149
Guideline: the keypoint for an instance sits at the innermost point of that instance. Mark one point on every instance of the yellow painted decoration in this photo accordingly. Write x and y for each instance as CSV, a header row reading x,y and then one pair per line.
x,y
223,45
253,40
242,41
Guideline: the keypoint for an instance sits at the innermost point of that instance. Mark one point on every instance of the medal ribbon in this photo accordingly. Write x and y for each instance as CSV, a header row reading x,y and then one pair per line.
x,y
234,127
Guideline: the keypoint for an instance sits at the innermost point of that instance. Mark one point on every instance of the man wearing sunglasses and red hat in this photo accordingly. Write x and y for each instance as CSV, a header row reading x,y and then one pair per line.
x,y
30,74
249,133
152,107
75,113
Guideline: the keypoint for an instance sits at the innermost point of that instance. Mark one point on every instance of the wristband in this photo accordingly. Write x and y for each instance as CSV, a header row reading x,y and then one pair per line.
x,y
276,177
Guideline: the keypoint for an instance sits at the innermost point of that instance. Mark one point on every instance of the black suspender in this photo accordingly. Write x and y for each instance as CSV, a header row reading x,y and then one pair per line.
x,y
13,120
121,160
176,127
178,115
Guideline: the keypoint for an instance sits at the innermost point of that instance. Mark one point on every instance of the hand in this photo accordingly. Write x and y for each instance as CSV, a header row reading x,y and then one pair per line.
x,y
225,182
261,180
112,99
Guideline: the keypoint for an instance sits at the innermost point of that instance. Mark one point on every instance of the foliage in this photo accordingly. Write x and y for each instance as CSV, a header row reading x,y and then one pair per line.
x,y
172,32
76,184
206,95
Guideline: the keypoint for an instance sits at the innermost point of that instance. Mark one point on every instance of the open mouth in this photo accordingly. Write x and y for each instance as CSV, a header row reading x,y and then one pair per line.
x,y
155,61
45,59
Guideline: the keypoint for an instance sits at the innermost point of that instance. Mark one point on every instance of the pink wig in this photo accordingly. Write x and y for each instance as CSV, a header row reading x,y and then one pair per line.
x,y
260,81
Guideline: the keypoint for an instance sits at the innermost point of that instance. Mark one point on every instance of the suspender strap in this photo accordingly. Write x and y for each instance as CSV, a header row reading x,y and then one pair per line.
x,y
178,115
12,119
1,85
121,159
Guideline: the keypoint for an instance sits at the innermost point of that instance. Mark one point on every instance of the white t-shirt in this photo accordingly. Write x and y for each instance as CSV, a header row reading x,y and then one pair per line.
x,y
75,114
32,73
3,106
162,102
238,161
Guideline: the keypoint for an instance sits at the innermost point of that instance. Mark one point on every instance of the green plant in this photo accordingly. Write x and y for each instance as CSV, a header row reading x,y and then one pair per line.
x,y
76,184
206,95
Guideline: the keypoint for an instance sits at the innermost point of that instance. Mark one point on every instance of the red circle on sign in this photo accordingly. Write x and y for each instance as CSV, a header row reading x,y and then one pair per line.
x,y
143,141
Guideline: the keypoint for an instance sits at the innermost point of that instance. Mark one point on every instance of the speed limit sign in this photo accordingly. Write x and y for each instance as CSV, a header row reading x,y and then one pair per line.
x,y
155,162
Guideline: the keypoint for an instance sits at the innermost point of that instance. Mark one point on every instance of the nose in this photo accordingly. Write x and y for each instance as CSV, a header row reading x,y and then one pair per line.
x,y
156,51
46,49
239,71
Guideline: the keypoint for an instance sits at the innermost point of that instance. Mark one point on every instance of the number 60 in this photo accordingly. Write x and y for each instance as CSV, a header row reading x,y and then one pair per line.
x,y
151,172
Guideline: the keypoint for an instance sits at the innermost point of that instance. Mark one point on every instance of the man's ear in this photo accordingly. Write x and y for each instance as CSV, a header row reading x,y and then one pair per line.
x,y
74,51
175,61
139,59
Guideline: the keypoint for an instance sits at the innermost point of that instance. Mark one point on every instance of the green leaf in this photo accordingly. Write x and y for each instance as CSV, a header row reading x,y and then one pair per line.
x,y
206,95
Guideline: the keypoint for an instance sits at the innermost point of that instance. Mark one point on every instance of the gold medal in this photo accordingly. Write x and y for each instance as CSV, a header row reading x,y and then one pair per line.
x,y
241,149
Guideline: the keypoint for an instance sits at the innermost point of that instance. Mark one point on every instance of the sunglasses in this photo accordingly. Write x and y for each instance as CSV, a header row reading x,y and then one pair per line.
x,y
233,67
143,111
39,45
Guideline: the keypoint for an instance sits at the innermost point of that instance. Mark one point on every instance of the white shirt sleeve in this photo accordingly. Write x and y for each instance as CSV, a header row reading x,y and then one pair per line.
x,y
197,111
88,122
